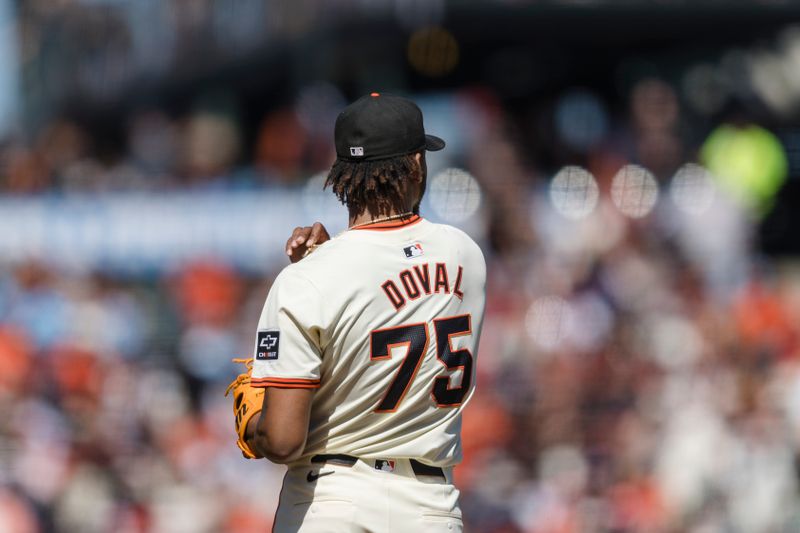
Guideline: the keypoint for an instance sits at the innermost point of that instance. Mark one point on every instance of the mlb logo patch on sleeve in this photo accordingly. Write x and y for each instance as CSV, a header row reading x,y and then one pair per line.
x,y
267,345
415,250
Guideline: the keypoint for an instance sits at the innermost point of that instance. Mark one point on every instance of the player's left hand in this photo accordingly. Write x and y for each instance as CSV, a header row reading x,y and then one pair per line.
x,y
247,401
303,240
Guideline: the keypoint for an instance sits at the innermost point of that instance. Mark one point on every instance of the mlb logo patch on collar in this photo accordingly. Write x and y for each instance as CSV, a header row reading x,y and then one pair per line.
x,y
415,250
267,343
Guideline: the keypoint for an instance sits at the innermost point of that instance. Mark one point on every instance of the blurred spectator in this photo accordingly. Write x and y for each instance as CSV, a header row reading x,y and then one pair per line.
x,y
281,146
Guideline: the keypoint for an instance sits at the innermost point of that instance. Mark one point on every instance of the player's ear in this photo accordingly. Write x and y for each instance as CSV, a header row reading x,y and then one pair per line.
x,y
419,157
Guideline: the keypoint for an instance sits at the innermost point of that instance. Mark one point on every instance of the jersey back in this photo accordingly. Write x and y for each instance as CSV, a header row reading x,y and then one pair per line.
x,y
384,322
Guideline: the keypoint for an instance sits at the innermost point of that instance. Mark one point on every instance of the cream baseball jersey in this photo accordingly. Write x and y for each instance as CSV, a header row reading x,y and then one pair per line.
x,y
383,321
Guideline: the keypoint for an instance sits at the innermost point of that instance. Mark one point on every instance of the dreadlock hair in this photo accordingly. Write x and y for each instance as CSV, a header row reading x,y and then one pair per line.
x,y
377,185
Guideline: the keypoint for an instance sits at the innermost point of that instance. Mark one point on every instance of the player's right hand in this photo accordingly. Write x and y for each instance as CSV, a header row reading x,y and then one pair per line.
x,y
304,240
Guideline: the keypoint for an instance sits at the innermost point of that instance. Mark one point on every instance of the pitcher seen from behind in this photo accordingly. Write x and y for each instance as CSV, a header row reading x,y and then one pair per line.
x,y
365,350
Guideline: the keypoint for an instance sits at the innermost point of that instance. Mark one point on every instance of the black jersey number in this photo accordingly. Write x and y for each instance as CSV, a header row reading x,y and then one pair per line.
x,y
415,339
446,329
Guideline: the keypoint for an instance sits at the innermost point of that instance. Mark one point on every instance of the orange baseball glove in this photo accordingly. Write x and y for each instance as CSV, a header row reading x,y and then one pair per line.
x,y
247,402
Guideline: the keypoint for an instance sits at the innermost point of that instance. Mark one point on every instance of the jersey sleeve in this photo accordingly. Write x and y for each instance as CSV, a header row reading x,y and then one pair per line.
x,y
287,347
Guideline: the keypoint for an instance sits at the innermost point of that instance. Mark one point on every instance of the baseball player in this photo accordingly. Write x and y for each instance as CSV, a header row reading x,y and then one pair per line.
x,y
365,350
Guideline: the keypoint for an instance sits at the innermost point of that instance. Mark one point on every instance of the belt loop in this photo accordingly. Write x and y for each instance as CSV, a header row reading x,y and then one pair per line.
x,y
421,469
339,459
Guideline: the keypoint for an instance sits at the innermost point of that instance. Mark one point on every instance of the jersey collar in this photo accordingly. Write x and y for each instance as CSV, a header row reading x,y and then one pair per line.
x,y
393,224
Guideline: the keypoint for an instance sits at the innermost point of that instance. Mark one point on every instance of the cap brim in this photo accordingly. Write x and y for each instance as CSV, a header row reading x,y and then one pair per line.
x,y
433,143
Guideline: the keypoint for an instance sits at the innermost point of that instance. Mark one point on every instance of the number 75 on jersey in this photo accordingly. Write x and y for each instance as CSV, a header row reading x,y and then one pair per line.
x,y
415,338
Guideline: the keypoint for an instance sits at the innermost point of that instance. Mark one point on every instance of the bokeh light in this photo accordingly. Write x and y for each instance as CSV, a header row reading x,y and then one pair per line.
x,y
692,189
574,192
433,51
454,194
772,80
634,191
748,161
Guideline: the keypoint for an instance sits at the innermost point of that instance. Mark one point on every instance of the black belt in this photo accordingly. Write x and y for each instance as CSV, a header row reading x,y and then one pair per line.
x,y
420,469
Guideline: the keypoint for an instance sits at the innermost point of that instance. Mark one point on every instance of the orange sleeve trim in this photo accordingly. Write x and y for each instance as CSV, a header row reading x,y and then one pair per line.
x,y
383,226
289,383
288,380
283,386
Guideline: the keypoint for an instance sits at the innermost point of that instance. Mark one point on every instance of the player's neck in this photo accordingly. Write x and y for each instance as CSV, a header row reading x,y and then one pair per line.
x,y
367,217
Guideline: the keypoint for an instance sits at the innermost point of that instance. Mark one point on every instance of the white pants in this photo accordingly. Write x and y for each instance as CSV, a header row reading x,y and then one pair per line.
x,y
362,499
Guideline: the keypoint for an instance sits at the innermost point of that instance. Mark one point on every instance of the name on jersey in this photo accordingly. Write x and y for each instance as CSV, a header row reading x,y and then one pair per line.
x,y
422,280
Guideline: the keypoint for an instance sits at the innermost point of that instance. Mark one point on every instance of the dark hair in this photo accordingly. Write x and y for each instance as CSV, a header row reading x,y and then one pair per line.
x,y
376,185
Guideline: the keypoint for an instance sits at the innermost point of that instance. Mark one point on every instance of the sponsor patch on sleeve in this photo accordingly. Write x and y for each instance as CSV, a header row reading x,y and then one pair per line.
x,y
267,343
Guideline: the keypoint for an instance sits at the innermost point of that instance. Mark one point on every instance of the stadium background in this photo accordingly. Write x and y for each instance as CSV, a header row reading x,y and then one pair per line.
x,y
629,168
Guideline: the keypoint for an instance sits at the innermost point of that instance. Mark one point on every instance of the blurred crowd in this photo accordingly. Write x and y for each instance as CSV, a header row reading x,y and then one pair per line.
x,y
639,367
199,150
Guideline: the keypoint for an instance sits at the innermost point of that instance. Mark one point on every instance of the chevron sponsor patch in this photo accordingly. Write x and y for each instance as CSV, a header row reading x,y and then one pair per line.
x,y
267,343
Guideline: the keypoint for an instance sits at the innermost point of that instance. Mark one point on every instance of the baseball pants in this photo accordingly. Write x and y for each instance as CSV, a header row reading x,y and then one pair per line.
x,y
374,496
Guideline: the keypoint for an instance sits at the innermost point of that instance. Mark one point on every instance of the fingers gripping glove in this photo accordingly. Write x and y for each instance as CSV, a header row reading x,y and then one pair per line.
x,y
247,402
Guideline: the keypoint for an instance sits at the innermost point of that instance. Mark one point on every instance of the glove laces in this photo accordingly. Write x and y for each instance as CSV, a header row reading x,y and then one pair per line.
x,y
241,378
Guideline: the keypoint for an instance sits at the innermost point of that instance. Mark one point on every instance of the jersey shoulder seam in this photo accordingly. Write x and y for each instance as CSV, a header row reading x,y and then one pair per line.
x,y
298,272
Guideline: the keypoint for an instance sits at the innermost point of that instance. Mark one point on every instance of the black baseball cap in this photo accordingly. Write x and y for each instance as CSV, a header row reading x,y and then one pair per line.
x,y
379,126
